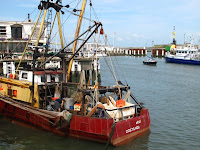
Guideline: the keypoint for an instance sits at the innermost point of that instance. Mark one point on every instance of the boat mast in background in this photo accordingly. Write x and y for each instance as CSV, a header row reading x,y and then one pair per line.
x,y
174,35
76,35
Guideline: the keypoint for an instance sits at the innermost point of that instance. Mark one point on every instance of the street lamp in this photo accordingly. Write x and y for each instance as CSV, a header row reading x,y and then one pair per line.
x,y
184,39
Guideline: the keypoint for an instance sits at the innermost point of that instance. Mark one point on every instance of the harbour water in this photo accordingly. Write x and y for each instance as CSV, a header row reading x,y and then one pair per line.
x,y
170,91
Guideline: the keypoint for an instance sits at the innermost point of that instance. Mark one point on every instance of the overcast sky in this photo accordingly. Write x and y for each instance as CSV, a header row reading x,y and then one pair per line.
x,y
132,22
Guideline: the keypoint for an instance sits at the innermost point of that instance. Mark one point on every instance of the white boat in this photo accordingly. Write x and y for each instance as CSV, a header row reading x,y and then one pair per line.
x,y
89,54
150,61
93,49
188,54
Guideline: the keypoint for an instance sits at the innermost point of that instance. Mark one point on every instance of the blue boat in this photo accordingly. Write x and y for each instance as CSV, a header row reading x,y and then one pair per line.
x,y
182,61
188,54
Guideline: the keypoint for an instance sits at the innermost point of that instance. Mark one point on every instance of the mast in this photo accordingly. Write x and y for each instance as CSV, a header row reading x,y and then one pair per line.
x,y
76,35
60,29
28,41
45,5
174,33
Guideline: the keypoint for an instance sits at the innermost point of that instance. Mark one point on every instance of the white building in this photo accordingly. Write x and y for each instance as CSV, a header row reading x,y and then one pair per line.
x,y
89,49
14,35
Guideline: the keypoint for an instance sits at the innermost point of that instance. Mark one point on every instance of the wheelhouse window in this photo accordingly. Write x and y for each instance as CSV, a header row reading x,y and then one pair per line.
x,y
60,77
16,31
52,78
24,75
43,79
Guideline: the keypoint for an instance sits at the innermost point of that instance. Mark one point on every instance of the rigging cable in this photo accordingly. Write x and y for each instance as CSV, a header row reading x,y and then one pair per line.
x,y
115,77
121,72
78,15
94,12
109,66
113,73
28,41
119,67
65,19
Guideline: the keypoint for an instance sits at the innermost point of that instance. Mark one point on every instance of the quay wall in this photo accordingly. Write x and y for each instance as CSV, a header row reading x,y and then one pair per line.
x,y
128,52
158,52
141,51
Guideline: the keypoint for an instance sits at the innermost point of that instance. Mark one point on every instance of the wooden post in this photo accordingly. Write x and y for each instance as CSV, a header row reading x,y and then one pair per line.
x,y
45,101
83,106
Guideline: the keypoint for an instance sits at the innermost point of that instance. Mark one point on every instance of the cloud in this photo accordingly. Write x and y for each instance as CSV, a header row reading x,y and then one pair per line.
x,y
135,21
137,35
120,39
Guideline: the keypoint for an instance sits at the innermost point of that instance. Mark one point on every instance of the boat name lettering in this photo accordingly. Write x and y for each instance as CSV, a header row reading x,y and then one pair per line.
x,y
132,129
138,122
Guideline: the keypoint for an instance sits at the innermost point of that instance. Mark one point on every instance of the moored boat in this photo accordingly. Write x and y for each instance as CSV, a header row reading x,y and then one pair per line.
x,y
121,124
93,49
150,61
43,97
182,60
184,55
187,54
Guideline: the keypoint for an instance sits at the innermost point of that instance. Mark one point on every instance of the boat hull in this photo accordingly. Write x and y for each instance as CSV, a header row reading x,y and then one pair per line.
x,y
182,61
150,62
32,117
98,129
90,128
129,129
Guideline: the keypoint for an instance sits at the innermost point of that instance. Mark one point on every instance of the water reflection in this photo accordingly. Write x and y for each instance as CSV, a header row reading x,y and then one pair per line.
x,y
140,143
17,137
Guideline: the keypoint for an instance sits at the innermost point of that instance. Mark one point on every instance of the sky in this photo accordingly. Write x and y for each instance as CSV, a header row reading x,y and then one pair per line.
x,y
128,23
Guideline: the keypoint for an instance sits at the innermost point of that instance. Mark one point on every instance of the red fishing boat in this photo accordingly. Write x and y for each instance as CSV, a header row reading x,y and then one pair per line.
x,y
105,122
44,98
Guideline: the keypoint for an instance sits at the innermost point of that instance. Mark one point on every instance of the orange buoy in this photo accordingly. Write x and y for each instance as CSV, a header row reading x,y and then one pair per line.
x,y
120,103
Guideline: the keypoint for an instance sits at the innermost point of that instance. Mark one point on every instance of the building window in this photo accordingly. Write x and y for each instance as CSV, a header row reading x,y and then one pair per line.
x,y
16,31
16,47
3,46
2,30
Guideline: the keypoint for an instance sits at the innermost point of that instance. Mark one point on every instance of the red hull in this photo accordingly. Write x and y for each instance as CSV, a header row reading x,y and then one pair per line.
x,y
90,128
98,129
31,116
